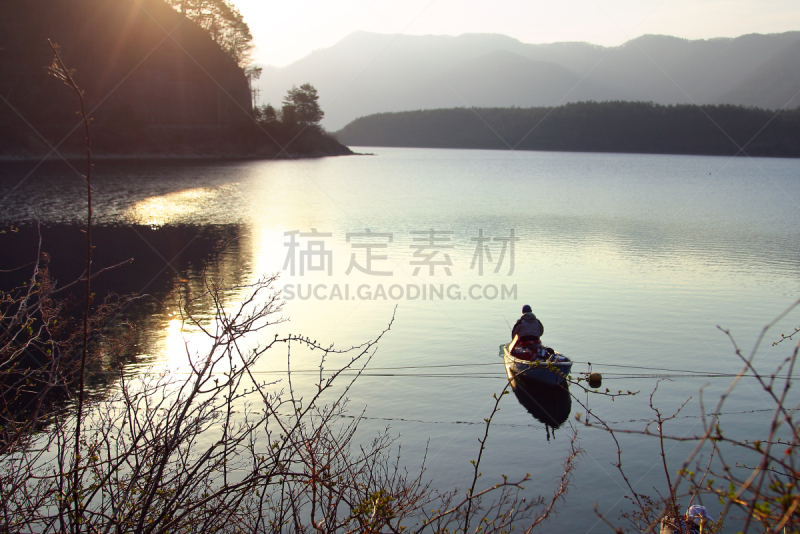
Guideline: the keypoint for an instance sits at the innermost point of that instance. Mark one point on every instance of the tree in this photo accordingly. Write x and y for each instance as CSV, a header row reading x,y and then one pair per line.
x,y
303,106
289,117
266,115
223,22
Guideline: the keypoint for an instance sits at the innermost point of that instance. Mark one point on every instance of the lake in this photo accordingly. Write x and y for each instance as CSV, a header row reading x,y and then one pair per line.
x,y
631,262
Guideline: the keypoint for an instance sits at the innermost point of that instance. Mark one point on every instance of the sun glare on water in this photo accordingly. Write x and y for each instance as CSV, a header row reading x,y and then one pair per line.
x,y
169,208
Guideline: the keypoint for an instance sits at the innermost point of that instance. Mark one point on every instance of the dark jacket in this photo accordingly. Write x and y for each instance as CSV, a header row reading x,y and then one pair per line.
x,y
527,327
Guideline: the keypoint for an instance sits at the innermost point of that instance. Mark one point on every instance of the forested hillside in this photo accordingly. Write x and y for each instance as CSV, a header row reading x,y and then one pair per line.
x,y
156,81
635,127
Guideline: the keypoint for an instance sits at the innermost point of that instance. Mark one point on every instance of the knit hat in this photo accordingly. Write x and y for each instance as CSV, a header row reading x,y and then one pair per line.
x,y
697,512
526,309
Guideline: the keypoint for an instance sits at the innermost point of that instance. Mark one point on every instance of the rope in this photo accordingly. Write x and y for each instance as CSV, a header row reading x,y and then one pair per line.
x,y
371,371
619,376
645,368
458,422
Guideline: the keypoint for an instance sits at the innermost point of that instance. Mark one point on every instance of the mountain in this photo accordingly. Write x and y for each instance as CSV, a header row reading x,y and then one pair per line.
x,y
368,73
668,70
774,84
509,79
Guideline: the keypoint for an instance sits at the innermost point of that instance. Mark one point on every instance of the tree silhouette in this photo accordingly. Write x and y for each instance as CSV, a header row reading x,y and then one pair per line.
x,y
301,104
224,24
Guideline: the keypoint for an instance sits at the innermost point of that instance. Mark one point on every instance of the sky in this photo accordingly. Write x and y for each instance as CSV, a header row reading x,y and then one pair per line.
x,y
289,30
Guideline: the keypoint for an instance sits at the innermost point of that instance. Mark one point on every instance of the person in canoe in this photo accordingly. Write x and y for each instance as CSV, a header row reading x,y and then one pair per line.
x,y
528,327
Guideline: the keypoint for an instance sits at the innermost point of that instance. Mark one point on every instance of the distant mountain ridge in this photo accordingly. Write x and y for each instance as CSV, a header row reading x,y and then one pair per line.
x,y
368,73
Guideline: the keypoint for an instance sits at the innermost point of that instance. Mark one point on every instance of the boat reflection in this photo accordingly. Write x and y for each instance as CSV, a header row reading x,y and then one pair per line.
x,y
549,404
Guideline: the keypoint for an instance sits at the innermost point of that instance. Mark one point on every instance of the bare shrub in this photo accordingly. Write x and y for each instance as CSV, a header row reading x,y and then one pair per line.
x,y
755,481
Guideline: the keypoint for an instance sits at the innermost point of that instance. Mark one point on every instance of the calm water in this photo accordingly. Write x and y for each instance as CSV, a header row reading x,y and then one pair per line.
x,y
626,259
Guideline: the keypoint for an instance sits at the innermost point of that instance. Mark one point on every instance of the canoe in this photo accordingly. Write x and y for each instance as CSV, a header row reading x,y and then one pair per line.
x,y
535,361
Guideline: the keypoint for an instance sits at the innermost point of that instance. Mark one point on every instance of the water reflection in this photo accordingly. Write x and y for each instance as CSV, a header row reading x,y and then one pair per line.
x,y
164,209
169,268
549,404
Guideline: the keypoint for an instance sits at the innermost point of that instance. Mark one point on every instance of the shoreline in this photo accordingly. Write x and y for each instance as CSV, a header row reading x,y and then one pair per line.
x,y
165,157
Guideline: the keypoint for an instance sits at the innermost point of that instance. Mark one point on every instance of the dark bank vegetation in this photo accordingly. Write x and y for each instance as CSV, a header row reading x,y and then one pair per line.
x,y
160,79
629,127
297,123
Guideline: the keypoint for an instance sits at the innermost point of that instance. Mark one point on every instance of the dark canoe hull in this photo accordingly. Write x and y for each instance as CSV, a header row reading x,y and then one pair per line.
x,y
546,372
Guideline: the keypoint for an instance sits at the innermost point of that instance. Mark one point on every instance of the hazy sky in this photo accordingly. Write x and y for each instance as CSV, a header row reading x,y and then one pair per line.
x,y
285,31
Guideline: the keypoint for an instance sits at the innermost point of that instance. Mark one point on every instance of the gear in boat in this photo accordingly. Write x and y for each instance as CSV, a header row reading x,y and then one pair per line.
x,y
531,350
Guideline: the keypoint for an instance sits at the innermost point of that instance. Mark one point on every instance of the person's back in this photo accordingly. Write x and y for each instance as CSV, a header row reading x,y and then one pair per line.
x,y
528,327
